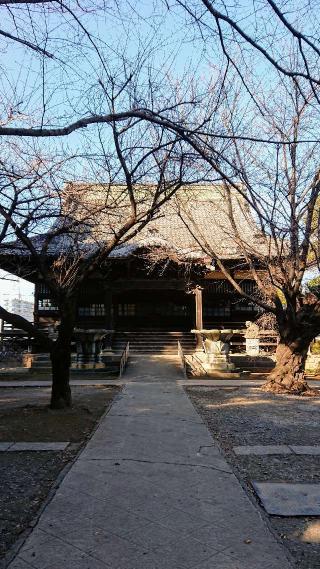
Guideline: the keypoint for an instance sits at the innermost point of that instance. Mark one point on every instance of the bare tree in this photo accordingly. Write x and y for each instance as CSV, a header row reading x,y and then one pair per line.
x,y
278,189
101,85
266,33
144,169
29,201
254,42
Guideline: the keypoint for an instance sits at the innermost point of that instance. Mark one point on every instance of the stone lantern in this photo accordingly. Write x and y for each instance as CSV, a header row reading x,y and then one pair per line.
x,y
216,346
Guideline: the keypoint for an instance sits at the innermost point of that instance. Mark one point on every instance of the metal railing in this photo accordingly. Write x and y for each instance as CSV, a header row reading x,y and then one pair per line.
x,y
182,360
196,364
124,359
191,360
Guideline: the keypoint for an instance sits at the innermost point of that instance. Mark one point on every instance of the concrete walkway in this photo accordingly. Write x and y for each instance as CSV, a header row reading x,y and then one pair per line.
x,y
151,491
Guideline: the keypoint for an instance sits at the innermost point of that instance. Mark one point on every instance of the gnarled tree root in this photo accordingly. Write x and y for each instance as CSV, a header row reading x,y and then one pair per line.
x,y
298,388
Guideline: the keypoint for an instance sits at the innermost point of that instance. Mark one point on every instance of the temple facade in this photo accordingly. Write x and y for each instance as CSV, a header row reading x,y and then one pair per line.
x,y
130,299
166,277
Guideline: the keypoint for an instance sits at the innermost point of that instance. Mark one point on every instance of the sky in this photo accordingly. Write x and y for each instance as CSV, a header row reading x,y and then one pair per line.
x,y
13,287
138,32
164,42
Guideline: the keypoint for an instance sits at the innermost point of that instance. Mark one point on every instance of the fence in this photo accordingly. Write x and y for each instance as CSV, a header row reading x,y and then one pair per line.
x,y
124,359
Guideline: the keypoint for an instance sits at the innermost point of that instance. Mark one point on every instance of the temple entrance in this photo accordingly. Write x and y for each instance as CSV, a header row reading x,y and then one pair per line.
x,y
156,309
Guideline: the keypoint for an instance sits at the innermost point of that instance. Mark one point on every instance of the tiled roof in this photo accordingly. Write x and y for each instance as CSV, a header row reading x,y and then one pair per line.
x,y
194,224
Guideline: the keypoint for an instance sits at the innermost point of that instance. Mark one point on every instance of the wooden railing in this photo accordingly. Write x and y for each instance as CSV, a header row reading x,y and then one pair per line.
x,y
124,359
182,360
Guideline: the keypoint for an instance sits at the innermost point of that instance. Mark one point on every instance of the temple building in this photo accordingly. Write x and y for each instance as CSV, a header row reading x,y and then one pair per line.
x,y
166,277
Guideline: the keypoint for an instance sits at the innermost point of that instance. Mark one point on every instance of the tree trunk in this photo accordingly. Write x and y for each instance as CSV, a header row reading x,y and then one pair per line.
x,y
288,375
18,321
61,357
60,360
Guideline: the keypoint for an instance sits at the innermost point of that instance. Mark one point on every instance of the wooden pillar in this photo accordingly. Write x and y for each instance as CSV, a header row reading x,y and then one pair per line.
x,y
108,308
199,319
35,305
109,323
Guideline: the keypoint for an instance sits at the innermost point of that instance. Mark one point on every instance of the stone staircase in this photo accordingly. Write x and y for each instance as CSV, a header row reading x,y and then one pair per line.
x,y
153,342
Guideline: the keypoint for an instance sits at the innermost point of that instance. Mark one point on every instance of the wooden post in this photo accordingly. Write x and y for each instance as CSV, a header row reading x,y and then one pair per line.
x,y
199,319
109,323
108,308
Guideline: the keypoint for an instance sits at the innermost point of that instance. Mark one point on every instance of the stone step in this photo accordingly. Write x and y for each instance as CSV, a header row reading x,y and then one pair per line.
x,y
164,335
153,344
120,347
155,332
153,341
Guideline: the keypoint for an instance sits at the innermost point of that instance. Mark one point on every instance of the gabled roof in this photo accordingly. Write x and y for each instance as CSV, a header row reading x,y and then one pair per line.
x,y
194,223
197,221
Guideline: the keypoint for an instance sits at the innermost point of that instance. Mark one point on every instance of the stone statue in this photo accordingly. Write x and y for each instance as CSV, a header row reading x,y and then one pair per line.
x,y
252,338
252,331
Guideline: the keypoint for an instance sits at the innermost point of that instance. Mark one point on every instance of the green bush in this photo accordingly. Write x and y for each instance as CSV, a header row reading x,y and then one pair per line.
x,y
314,286
315,348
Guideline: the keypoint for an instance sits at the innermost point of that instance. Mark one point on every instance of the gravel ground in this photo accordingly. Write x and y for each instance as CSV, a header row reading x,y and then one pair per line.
x,y
27,477
247,416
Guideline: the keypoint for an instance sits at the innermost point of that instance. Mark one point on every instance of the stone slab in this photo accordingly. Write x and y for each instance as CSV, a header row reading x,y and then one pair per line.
x,y
55,447
286,499
5,446
262,449
313,450
151,475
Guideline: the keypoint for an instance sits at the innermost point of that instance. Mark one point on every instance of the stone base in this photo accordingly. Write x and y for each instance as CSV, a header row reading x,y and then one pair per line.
x,y
89,365
219,366
216,374
37,363
218,362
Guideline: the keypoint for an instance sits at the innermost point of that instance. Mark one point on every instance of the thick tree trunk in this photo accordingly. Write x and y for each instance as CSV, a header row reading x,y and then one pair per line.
x,y
60,360
288,375
61,357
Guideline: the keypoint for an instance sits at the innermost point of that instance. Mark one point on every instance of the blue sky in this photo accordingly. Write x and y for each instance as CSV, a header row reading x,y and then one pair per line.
x,y
165,43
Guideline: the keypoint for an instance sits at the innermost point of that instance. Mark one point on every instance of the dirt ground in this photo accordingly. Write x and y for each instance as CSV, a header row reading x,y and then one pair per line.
x,y
247,416
27,477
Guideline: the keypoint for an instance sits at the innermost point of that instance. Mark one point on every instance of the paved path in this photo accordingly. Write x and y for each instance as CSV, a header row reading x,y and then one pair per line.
x,y
151,491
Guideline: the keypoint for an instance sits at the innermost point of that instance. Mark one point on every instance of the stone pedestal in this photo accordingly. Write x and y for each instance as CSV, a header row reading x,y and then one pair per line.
x,y
217,347
89,348
37,363
219,362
